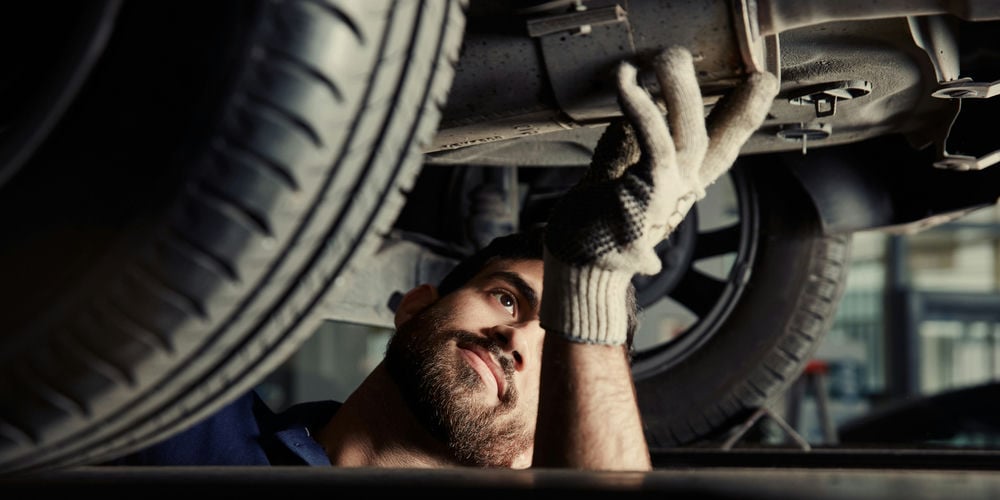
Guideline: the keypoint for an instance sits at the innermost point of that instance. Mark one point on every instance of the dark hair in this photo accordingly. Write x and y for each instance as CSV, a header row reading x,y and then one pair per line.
x,y
524,245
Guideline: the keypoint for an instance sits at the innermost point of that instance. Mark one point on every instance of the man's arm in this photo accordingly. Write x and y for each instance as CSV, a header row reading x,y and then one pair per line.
x,y
646,174
587,416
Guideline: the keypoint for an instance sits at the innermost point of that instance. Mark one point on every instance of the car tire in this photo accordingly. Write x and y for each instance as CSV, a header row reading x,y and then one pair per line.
x,y
757,326
168,244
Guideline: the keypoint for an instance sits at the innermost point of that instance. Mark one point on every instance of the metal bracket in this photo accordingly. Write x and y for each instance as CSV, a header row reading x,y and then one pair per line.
x,y
937,36
965,88
964,162
580,48
582,43
949,161
580,22
824,97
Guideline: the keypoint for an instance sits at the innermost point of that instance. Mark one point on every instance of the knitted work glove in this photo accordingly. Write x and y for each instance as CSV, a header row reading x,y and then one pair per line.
x,y
644,178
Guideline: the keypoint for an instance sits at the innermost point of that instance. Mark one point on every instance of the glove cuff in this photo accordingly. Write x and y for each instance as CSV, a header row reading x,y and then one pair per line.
x,y
585,304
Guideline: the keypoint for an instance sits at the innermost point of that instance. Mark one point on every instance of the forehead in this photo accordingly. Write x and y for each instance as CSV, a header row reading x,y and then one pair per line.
x,y
530,270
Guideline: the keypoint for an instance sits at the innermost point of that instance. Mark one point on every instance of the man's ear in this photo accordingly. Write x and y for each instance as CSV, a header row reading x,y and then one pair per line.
x,y
416,300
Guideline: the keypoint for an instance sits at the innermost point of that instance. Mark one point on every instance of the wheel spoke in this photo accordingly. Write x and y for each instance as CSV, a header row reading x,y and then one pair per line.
x,y
698,292
717,242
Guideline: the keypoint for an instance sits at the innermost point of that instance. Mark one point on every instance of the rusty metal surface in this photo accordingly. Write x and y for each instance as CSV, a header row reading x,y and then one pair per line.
x,y
510,86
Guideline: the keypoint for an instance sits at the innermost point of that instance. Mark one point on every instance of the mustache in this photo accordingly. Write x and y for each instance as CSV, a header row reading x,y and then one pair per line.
x,y
465,338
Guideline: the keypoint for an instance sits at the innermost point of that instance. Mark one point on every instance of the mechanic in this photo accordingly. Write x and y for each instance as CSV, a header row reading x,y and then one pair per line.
x,y
463,381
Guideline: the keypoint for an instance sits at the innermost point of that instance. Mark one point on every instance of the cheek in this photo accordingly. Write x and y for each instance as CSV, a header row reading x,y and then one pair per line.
x,y
475,314
529,397
531,377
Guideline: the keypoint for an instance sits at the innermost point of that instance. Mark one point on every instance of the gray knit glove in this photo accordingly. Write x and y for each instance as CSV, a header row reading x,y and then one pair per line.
x,y
641,184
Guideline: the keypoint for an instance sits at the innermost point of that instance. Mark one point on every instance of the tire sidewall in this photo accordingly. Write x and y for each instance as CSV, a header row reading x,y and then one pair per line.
x,y
728,376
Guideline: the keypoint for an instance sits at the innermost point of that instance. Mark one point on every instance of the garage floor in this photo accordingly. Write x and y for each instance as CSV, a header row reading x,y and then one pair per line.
x,y
744,474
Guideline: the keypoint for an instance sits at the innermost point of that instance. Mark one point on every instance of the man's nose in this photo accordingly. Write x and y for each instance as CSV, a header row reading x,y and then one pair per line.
x,y
517,340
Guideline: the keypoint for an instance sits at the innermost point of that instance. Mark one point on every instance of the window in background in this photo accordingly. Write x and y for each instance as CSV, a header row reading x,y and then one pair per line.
x,y
953,282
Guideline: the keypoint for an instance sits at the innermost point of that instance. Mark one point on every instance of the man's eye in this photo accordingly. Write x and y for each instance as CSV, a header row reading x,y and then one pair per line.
x,y
506,300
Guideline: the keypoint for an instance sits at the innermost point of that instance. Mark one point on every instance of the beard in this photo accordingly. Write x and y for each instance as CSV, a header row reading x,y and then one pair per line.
x,y
444,392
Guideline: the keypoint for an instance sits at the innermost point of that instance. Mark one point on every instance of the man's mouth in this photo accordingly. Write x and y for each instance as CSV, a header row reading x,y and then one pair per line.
x,y
482,362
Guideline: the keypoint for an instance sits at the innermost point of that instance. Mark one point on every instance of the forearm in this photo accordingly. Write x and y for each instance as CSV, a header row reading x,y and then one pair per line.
x,y
588,417
644,178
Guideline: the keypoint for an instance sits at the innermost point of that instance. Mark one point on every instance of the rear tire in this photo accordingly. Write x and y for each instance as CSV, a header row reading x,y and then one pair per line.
x,y
758,326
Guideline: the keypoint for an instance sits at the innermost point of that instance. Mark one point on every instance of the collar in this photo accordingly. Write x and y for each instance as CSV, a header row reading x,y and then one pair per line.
x,y
291,432
299,442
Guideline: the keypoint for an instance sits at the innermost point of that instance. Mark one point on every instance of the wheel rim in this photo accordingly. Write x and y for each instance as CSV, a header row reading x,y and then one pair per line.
x,y
706,267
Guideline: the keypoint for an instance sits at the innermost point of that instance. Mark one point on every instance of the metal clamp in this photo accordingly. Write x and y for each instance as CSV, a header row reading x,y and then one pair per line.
x,y
965,88
580,22
577,65
824,97
938,37
963,162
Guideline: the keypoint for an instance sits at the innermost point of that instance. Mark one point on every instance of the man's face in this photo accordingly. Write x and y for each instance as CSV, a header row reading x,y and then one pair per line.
x,y
469,364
